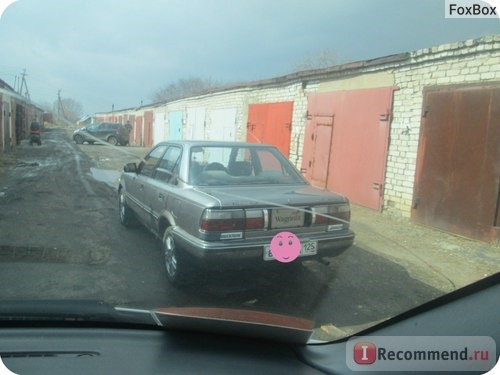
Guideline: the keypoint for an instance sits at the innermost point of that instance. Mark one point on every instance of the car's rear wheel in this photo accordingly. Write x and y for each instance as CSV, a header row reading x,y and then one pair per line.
x,y
175,262
127,216
78,139
113,140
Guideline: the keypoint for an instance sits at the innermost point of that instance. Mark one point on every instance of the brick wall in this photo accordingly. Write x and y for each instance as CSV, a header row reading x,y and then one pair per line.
x,y
472,61
241,98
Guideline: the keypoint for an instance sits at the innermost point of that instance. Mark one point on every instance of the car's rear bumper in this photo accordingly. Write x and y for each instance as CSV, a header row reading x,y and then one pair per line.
x,y
249,253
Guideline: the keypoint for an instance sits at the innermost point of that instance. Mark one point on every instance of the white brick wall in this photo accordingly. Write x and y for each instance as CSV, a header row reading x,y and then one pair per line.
x,y
471,61
241,98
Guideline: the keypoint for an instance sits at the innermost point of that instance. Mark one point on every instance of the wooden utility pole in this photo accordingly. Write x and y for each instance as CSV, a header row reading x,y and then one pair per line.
x,y
60,107
23,85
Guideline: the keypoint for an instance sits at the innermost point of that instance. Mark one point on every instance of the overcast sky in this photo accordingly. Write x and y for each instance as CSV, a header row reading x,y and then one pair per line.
x,y
104,52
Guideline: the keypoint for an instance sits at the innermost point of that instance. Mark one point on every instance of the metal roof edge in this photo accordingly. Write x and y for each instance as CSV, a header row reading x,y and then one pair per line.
x,y
349,68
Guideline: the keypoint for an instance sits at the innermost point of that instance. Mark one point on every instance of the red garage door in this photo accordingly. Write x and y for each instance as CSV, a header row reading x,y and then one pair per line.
x,y
271,123
457,182
345,143
148,128
137,141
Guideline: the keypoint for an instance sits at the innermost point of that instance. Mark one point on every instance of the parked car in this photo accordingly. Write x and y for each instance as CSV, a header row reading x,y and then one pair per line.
x,y
113,133
219,204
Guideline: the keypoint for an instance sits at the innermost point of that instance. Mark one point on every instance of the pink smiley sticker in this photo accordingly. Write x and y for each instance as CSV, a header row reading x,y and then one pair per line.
x,y
285,247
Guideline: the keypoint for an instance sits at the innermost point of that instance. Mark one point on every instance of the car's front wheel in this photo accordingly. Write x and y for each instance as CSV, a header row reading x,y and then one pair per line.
x,y
175,262
127,216
112,140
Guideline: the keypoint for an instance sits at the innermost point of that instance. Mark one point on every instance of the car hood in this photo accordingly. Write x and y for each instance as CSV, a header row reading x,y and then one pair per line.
x,y
294,195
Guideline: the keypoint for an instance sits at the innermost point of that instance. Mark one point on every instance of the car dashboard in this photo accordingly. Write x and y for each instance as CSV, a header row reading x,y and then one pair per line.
x,y
82,348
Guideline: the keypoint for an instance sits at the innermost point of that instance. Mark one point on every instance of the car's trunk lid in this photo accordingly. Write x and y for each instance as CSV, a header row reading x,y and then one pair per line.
x,y
279,195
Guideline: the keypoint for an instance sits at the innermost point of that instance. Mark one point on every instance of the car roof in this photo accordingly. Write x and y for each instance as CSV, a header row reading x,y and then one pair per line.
x,y
202,143
106,123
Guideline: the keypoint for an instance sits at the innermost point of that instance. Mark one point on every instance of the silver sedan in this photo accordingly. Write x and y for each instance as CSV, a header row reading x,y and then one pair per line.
x,y
222,204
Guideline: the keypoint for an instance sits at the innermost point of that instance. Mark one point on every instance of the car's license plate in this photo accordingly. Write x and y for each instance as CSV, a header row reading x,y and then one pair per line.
x,y
286,218
306,249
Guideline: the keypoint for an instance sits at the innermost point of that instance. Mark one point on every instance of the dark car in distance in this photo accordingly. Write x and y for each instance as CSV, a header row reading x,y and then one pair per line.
x,y
113,133
219,204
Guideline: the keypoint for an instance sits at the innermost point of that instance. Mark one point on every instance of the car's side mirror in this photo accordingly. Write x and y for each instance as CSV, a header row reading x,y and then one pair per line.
x,y
130,168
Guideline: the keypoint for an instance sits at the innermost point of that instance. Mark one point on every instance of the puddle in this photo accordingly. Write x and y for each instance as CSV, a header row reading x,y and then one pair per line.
x,y
35,163
108,176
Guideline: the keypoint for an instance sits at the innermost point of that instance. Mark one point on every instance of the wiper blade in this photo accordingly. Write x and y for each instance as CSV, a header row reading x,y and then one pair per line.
x,y
248,323
55,310
63,311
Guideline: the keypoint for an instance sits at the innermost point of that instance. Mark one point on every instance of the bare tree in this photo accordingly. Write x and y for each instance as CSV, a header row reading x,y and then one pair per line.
x,y
323,59
184,87
67,109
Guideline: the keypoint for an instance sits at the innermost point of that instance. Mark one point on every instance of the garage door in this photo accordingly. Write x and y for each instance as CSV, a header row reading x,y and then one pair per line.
x,y
148,129
457,180
271,123
175,125
345,143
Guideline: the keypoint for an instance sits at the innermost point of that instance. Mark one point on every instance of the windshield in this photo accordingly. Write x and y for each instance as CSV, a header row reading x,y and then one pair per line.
x,y
330,161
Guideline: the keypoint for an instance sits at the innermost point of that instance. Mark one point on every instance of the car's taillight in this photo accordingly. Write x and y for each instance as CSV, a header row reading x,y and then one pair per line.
x,y
214,220
222,220
336,216
255,219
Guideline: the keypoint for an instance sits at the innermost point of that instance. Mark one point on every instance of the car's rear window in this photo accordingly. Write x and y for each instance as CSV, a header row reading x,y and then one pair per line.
x,y
215,165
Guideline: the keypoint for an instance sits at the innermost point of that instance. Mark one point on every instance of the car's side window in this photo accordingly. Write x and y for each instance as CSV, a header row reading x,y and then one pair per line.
x,y
169,164
150,161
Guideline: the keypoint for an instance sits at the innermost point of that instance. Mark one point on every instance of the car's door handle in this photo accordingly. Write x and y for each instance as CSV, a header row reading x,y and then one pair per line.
x,y
161,196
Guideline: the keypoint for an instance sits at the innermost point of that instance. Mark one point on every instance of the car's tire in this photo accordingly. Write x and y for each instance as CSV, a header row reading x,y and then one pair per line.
x,y
90,142
127,216
78,139
113,140
175,259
